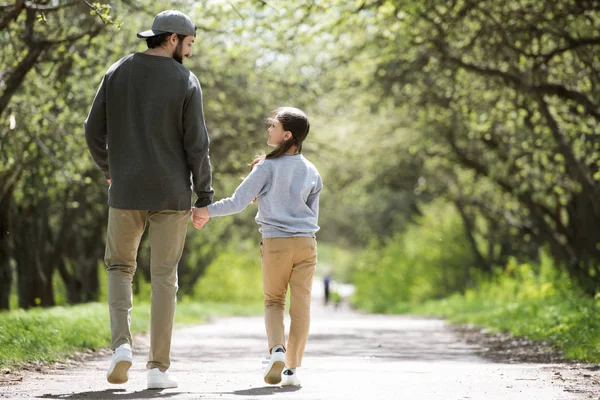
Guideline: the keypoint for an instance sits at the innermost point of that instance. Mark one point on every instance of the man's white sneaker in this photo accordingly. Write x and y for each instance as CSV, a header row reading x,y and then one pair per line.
x,y
160,380
120,364
290,378
272,370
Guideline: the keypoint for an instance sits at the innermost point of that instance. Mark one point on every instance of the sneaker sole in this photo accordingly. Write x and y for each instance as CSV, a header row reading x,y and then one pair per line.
x,y
273,377
156,386
119,374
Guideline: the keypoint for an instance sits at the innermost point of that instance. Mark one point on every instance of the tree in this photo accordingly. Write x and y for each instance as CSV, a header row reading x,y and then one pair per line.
x,y
509,134
53,200
40,47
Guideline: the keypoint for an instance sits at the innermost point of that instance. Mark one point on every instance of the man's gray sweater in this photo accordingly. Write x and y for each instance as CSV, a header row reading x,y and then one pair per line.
x,y
146,132
287,189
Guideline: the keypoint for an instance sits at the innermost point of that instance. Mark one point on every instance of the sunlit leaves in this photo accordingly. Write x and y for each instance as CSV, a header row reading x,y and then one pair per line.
x,y
103,11
467,74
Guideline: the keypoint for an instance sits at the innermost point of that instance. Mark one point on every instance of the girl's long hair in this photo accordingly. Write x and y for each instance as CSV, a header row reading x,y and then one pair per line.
x,y
293,120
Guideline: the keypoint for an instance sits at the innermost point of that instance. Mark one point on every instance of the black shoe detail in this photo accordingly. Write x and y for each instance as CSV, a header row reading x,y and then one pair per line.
x,y
288,372
280,350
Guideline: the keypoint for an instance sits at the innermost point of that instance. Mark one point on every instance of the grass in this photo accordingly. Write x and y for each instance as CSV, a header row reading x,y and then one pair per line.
x,y
52,334
528,304
569,325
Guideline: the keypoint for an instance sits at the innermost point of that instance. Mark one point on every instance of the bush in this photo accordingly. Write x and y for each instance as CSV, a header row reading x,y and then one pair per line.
x,y
235,276
338,261
527,300
431,259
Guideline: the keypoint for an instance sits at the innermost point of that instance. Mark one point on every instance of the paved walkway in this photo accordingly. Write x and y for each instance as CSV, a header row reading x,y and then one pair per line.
x,y
349,356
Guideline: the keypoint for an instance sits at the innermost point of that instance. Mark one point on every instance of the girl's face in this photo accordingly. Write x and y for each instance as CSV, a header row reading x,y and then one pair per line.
x,y
276,134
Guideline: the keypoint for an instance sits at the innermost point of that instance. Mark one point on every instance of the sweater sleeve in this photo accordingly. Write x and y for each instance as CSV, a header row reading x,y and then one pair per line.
x,y
96,131
195,143
313,198
249,189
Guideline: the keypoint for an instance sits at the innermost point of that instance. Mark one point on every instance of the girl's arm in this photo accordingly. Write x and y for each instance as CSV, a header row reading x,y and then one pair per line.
x,y
253,186
313,197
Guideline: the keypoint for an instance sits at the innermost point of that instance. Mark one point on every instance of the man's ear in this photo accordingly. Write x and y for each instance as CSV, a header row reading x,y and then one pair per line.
x,y
174,39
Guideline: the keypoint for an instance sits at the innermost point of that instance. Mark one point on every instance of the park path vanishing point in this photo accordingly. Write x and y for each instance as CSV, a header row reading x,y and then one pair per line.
x,y
349,356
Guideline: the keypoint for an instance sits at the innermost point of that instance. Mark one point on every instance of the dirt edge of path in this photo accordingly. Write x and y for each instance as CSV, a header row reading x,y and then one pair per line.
x,y
577,377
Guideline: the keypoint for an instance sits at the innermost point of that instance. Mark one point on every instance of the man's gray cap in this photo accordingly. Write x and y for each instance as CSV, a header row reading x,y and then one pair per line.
x,y
171,21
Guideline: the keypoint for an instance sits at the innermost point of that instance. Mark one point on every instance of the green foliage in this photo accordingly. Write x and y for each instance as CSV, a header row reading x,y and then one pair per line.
x,y
428,260
499,125
338,261
103,12
502,124
234,276
336,298
51,334
48,156
536,302
490,106
368,183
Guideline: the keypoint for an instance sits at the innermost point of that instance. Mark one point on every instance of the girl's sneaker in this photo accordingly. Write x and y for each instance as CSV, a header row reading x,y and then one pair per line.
x,y
160,380
272,369
119,364
290,377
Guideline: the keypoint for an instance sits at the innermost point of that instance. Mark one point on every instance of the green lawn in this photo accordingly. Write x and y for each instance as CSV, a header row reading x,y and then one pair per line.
x,y
539,304
569,324
51,334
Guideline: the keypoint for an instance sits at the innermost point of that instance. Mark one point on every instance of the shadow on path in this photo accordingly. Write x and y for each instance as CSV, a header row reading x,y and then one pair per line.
x,y
154,394
426,342
265,391
112,394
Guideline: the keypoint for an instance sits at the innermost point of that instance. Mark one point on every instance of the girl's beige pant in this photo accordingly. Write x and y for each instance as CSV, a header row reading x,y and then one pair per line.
x,y
288,261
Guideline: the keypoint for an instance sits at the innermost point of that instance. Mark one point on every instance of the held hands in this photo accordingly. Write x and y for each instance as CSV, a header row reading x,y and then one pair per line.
x,y
200,217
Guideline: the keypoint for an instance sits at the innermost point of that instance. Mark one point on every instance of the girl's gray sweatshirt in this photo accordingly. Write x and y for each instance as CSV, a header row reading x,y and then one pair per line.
x,y
287,189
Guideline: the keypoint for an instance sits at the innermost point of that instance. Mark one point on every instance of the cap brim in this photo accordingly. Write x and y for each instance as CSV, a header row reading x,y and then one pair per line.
x,y
149,33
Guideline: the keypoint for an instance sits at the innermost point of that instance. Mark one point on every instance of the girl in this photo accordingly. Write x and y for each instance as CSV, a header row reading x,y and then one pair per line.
x,y
287,187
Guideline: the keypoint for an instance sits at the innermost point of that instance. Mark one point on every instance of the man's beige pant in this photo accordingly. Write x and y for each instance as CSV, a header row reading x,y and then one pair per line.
x,y
288,261
167,230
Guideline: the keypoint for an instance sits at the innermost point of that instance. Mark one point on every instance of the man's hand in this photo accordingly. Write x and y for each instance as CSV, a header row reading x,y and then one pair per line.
x,y
200,216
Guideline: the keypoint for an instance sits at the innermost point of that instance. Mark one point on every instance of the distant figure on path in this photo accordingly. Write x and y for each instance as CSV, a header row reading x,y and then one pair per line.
x,y
146,132
326,287
287,187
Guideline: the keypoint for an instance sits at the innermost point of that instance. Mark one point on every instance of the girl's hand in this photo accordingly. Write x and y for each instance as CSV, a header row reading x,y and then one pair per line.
x,y
200,216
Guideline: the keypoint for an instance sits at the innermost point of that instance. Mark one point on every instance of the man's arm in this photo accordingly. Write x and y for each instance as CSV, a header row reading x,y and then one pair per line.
x,y
95,130
195,144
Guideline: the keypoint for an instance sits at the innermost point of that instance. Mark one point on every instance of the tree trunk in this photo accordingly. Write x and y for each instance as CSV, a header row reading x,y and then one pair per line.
x,y
584,233
91,283
34,282
5,237
482,263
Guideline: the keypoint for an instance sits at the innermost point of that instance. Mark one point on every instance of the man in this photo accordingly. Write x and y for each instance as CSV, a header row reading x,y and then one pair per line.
x,y
146,132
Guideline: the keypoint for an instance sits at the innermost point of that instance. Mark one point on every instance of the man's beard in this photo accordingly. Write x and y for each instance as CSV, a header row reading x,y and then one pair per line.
x,y
178,53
